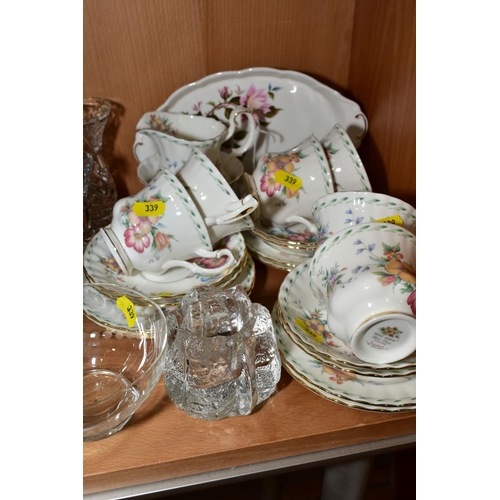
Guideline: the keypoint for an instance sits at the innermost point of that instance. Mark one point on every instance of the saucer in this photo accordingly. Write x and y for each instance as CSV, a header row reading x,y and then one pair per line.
x,y
293,237
347,168
328,361
335,398
347,387
96,307
307,318
245,278
275,256
100,266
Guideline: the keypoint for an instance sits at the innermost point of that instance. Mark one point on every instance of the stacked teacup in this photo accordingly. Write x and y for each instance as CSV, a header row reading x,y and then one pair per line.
x,y
288,183
183,228
348,315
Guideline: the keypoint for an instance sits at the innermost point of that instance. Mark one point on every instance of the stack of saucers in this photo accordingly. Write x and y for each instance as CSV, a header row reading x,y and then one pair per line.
x,y
100,266
345,319
282,248
323,364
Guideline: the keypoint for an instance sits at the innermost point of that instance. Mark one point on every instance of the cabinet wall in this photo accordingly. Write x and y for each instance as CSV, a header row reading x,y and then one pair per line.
x,y
137,52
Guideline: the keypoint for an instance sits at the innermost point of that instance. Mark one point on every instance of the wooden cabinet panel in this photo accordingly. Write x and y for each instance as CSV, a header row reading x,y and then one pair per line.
x,y
136,53
383,79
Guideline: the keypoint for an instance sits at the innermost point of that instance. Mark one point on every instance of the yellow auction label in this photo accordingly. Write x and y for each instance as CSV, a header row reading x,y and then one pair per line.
x,y
290,181
316,336
128,309
393,219
148,208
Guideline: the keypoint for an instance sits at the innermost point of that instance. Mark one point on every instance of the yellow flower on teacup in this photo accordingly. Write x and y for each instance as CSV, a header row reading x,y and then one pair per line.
x,y
402,269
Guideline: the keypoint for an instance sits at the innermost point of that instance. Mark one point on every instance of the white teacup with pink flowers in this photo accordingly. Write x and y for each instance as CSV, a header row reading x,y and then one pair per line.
x,y
159,229
288,183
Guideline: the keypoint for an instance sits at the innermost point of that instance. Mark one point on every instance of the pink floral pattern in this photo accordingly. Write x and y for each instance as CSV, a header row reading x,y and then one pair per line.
x,y
338,376
258,101
145,232
273,164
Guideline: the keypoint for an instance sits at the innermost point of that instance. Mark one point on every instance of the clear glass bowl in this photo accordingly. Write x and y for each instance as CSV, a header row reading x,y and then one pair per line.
x,y
124,344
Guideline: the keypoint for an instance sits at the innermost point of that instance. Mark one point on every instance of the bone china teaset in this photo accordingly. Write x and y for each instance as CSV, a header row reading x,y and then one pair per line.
x,y
259,164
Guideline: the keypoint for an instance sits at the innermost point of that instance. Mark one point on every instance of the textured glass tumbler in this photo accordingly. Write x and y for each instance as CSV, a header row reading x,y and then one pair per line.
x,y
222,357
102,195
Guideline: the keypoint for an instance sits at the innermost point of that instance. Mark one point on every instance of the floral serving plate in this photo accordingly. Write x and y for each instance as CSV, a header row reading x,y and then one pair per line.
x,y
398,392
288,105
307,318
100,266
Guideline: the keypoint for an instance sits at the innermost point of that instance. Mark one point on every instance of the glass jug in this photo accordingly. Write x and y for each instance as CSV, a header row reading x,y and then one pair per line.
x,y
101,189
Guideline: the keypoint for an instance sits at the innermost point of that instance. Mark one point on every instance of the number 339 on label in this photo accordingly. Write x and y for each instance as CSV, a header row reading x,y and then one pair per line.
x,y
148,208
288,180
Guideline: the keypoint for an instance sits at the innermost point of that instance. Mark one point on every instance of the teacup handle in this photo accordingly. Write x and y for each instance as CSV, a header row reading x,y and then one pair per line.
x,y
298,219
216,254
253,130
143,147
148,168
236,211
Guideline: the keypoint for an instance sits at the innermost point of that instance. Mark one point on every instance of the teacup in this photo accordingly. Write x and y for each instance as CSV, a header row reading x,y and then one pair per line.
x,y
365,275
214,197
288,183
377,322
173,135
219,231
348,170
334,212
232,170
160,228
341,258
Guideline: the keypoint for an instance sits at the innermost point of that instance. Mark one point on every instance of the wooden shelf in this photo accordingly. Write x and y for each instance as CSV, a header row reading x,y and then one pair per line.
x,y
161,442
